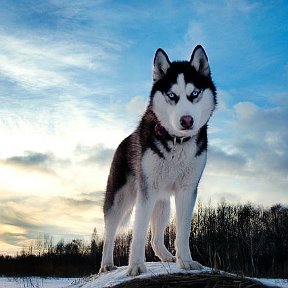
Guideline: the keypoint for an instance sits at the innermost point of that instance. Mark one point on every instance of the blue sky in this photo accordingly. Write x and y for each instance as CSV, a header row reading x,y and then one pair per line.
x,y
75,77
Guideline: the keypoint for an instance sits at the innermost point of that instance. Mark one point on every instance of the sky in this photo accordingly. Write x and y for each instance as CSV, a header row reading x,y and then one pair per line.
x,y
75,77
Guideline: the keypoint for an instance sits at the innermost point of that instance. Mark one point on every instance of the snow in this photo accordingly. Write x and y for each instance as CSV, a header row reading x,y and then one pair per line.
x,y
110,279
283,283
35,282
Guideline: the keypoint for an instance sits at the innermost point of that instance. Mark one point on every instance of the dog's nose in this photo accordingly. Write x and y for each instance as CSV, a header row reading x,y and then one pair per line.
x,y
186,121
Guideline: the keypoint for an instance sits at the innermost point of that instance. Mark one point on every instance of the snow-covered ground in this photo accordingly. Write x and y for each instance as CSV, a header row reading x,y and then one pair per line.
x,y
35,282
118,276
110,279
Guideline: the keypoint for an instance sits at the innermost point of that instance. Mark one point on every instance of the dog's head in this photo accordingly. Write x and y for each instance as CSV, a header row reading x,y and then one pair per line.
x,y
183,95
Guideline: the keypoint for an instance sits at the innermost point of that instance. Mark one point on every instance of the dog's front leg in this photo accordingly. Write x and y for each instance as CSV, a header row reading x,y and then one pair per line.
x,y
144,207
184,201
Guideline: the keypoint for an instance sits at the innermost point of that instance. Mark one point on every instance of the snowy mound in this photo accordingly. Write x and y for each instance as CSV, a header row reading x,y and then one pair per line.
x,y
115,277
154,270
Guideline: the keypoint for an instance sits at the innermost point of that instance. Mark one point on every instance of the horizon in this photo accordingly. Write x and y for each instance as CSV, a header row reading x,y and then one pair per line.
x,y
75,79
41,245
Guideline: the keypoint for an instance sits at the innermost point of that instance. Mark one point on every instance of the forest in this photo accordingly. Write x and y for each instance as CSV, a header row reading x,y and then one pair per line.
x,y
242,239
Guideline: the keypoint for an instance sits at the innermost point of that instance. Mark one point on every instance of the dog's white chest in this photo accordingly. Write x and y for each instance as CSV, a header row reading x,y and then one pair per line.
x,y
179,168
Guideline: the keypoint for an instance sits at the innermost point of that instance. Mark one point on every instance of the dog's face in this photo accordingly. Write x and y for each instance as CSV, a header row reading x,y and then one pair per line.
x,y
183,95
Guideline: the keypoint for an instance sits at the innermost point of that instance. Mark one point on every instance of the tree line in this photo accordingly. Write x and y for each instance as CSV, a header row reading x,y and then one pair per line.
x,y
241,239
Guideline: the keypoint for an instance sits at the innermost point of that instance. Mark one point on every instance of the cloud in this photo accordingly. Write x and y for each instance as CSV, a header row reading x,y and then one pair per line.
x,y
31,159
25,178
214,33
195,34
58,216
246,156
96,154
136,105
40,54
255,133
41,165
84,200
37,63
242,6
228,8
220,162
265,138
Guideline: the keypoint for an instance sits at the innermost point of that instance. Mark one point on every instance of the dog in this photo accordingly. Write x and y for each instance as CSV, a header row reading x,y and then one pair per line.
x,y
164,157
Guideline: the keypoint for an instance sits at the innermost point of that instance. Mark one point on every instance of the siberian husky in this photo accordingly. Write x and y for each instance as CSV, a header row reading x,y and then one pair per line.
x,y
165,156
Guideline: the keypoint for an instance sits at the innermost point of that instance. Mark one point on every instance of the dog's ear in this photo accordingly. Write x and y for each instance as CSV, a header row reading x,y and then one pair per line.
x,y
199,61
161,65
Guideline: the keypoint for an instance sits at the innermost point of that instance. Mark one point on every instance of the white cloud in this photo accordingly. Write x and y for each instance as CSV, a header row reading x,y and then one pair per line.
x,y
136,105
246,157
195,34
37,62
239,189
60,216
242,6
22,181
226,8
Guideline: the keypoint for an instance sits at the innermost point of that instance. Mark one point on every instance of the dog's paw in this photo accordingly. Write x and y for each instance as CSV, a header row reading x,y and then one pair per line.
x,y
189,265
107,267
164,255
136,269
168,259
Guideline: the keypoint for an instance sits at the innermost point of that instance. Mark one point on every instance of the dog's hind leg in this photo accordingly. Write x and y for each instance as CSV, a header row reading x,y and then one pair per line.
x,y
111,223
114,217
160,218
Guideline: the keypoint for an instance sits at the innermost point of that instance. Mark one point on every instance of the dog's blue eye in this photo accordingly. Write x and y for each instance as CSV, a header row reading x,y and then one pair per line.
x,y
171,95
195,93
